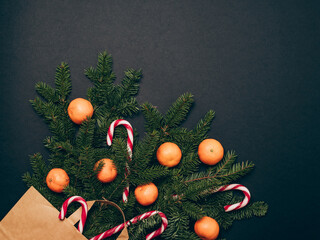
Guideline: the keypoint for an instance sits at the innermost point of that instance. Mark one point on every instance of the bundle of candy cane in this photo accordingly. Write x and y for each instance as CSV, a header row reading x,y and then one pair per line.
x,y
116,229
146,215
125,195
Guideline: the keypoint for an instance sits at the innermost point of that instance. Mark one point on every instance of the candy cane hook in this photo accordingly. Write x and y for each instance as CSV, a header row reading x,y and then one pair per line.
x,y
84,213
239,187
146,215
128,126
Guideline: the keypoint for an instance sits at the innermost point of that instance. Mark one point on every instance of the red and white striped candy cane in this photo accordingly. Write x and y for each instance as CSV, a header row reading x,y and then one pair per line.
x,y
128,126
84,213
239,187
146,215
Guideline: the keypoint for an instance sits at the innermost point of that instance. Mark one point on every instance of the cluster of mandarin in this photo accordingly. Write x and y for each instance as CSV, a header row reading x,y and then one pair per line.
x,y
210,152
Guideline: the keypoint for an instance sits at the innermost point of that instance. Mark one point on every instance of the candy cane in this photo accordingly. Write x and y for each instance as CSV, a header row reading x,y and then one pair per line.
x,y
239,187
128,126
84,205
146,215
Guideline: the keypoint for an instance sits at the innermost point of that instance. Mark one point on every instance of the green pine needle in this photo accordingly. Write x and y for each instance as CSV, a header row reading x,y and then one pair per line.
x,y
47,92
179,110
63,81
154,119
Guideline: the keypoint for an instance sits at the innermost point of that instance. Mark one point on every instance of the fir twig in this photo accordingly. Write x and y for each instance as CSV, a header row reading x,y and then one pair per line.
x,y
179,110
63,82
154,119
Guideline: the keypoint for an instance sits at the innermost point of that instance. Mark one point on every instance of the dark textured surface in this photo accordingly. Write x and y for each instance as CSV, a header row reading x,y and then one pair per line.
x,y
256,63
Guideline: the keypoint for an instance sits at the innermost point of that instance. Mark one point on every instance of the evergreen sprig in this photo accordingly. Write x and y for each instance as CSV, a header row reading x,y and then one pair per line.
x,y
179,110
176,114
63,82
186,192
154,119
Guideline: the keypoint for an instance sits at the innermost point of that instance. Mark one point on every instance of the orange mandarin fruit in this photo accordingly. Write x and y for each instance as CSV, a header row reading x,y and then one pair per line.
x,y
210,151
57,180
207,228
169,154
146,194
108,171
79,110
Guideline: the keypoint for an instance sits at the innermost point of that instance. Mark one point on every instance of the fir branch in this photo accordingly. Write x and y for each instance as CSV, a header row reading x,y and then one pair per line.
x,y
85,134
144,150
129,85
179,110
128,108
60,129
63,81
39,106
237,171
104,91
222,167
120,155
55,146
147,175
52,112
214,204
55,115
195,190
101,94
257,209
154,119
225,220
47,92
190,164
39,167
192,210
103,114
202,127
179,135
124,181
142,228
91,74
179,223
73,191
26,177
104,66
103,72
200,176
196,176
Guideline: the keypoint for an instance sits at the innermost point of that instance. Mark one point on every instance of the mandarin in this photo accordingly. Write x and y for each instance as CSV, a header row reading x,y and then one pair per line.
x,y
79,110
169,154
210,151
57,180
146,194
108,171
207,228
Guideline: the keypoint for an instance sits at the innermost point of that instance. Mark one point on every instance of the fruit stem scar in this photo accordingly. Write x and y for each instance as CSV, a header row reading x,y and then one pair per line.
x,y
211,150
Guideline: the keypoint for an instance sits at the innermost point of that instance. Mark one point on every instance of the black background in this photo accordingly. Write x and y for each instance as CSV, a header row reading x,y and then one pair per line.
x,y
256,63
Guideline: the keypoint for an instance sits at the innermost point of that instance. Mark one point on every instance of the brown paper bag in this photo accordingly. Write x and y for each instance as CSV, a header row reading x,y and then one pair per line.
x,y
34,218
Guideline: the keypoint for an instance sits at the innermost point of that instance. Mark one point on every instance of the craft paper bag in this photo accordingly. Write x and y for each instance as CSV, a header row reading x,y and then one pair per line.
x,y
34,218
